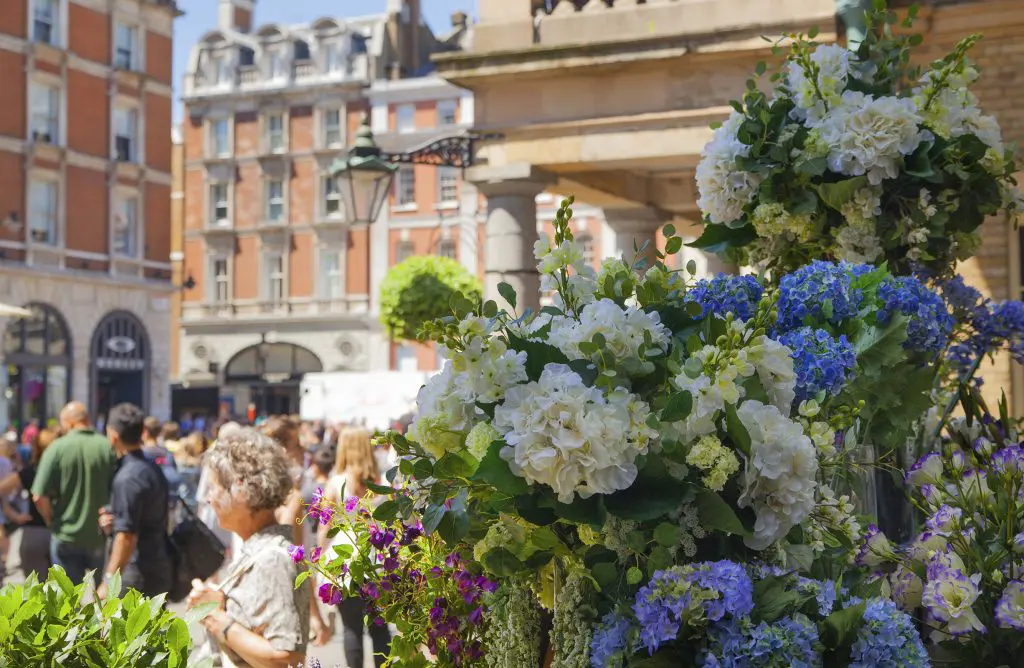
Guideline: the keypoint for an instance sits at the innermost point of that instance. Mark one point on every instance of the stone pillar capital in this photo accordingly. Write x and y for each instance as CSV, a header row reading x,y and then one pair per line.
x,y
636,218
516,179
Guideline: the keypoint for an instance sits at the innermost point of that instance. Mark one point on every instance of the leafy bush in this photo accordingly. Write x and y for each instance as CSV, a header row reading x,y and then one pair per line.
x,y
419,290
46,624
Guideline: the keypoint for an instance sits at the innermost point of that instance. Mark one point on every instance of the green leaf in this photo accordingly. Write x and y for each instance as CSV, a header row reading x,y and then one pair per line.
x,y
737,432
495,471
582,511
678,407
812,167
454,465
634,575
813,32
839,630
137,621
666,534
606,575
454,526
673,245
804,202
502,563
720,238
422,468
379,489
539,355
799,557
835,195
432,517
199,613
669,230
508,293
302,577
648,498
715,513
386,511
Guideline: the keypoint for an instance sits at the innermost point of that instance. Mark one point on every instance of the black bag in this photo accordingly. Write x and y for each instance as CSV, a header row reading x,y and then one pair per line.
x,y
196,553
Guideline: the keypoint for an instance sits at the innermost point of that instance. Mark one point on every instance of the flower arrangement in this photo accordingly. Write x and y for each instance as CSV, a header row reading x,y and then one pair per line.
x,y
965,569
857,156
655,427
431,593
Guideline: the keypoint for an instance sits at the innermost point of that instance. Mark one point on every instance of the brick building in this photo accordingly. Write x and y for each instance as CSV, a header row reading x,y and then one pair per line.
x,y
285,283
85,163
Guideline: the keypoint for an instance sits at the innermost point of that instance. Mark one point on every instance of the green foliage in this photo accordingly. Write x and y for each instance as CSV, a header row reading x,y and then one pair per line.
x,y
46,625
421,289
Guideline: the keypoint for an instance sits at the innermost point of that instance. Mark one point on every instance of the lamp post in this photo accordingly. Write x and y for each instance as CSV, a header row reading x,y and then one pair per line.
x,y
262,352
364,178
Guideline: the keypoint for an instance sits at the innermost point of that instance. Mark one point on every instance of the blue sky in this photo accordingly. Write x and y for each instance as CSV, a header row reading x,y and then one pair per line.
x,y
201,16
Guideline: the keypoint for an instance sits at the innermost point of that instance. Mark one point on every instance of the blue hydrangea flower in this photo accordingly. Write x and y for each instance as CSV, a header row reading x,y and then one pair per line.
x,y
818,292
682,594
791,642
724,294
888,639
608,647
930,323
821,362
824,591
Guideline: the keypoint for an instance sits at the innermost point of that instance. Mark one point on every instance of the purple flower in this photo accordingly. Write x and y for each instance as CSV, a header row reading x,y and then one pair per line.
x,y
476,616
381,539
949,596
926,471
945,519
452,560
390,564
351,503
437,610
1010,609
370,591
297,553
1009,461
315,556
329,594
876,548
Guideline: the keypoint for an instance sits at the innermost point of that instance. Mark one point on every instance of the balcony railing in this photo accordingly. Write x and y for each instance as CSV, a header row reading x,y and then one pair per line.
x,y
304,69
301,307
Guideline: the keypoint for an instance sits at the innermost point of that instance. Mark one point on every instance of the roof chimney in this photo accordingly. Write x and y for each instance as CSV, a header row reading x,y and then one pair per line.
x,y
459,20
235,15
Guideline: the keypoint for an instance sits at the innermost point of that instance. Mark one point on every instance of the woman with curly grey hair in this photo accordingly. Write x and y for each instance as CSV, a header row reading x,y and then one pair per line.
x,y
261,618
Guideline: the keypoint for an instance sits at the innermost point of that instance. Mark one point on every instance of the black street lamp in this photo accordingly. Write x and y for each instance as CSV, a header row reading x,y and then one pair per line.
x,y
364,178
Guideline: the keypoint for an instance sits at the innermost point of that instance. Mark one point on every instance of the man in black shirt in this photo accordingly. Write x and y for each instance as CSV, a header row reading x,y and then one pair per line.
x,y
138,507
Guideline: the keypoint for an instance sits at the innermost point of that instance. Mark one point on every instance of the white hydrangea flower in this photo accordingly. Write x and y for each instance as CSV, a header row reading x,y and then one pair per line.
x,y
779,480
774,365
857,243
486,369
572,437
725,190
869,135
833,63
622,327
445,415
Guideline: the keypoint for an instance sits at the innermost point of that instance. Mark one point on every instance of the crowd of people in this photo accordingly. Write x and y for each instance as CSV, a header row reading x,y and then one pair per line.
x,y
106,502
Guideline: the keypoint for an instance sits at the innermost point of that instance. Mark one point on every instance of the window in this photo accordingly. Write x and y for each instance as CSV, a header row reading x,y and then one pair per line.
x,y
404,250
275,278
300,50
447,184
277,64
124,47
126,227
125,131
586,243
42,214
246,57
405,118
45,109
219,140
332,127
221,281
219,205
446,248
405,359
275,133
222,70
447,113
275,200
330,275
405,187
333,60
332,198
44,21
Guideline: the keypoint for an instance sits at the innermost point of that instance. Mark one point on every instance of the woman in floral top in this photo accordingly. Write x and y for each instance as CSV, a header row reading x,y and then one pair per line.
x,y
262,619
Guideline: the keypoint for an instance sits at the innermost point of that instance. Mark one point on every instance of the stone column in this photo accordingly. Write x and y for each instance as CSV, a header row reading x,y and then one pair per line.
x,y
379,347
636,225
511,192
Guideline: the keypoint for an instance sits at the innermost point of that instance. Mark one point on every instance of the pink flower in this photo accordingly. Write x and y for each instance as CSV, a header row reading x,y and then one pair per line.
x,y
297,553
315,557
351,503
329,594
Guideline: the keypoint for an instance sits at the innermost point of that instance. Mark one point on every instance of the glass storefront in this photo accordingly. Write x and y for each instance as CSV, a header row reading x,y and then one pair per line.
x,y
37,361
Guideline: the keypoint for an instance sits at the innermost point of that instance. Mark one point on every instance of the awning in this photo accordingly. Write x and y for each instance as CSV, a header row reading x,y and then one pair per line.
x,y
8,311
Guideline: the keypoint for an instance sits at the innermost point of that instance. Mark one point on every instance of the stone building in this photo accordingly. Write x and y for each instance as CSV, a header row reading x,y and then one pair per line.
x,y
612,100
84,203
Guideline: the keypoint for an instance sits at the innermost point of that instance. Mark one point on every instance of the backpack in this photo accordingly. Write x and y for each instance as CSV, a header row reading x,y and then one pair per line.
x,y
196,553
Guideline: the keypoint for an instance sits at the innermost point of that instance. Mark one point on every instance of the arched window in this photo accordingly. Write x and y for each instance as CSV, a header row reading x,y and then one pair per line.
x,y
120,363
272,372
586,244
37,356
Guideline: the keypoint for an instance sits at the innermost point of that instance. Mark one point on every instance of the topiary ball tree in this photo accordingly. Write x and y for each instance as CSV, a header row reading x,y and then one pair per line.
x,y
420,289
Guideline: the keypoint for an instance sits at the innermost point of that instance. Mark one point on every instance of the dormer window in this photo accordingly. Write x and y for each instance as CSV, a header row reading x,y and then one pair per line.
x,y
333,57
277,64
301,50
246,56
221,66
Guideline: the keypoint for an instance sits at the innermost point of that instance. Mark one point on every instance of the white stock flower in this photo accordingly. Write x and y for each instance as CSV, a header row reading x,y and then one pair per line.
x,y
774,364
779,479
572,437
486,369
833,63
869,135
444,415
622,328
725,190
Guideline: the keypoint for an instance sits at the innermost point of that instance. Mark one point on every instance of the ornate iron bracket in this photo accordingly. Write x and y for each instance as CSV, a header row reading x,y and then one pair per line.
x,y
456,151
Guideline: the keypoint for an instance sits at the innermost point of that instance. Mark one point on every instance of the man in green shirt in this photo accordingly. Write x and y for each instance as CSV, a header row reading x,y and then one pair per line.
x,y
71,485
